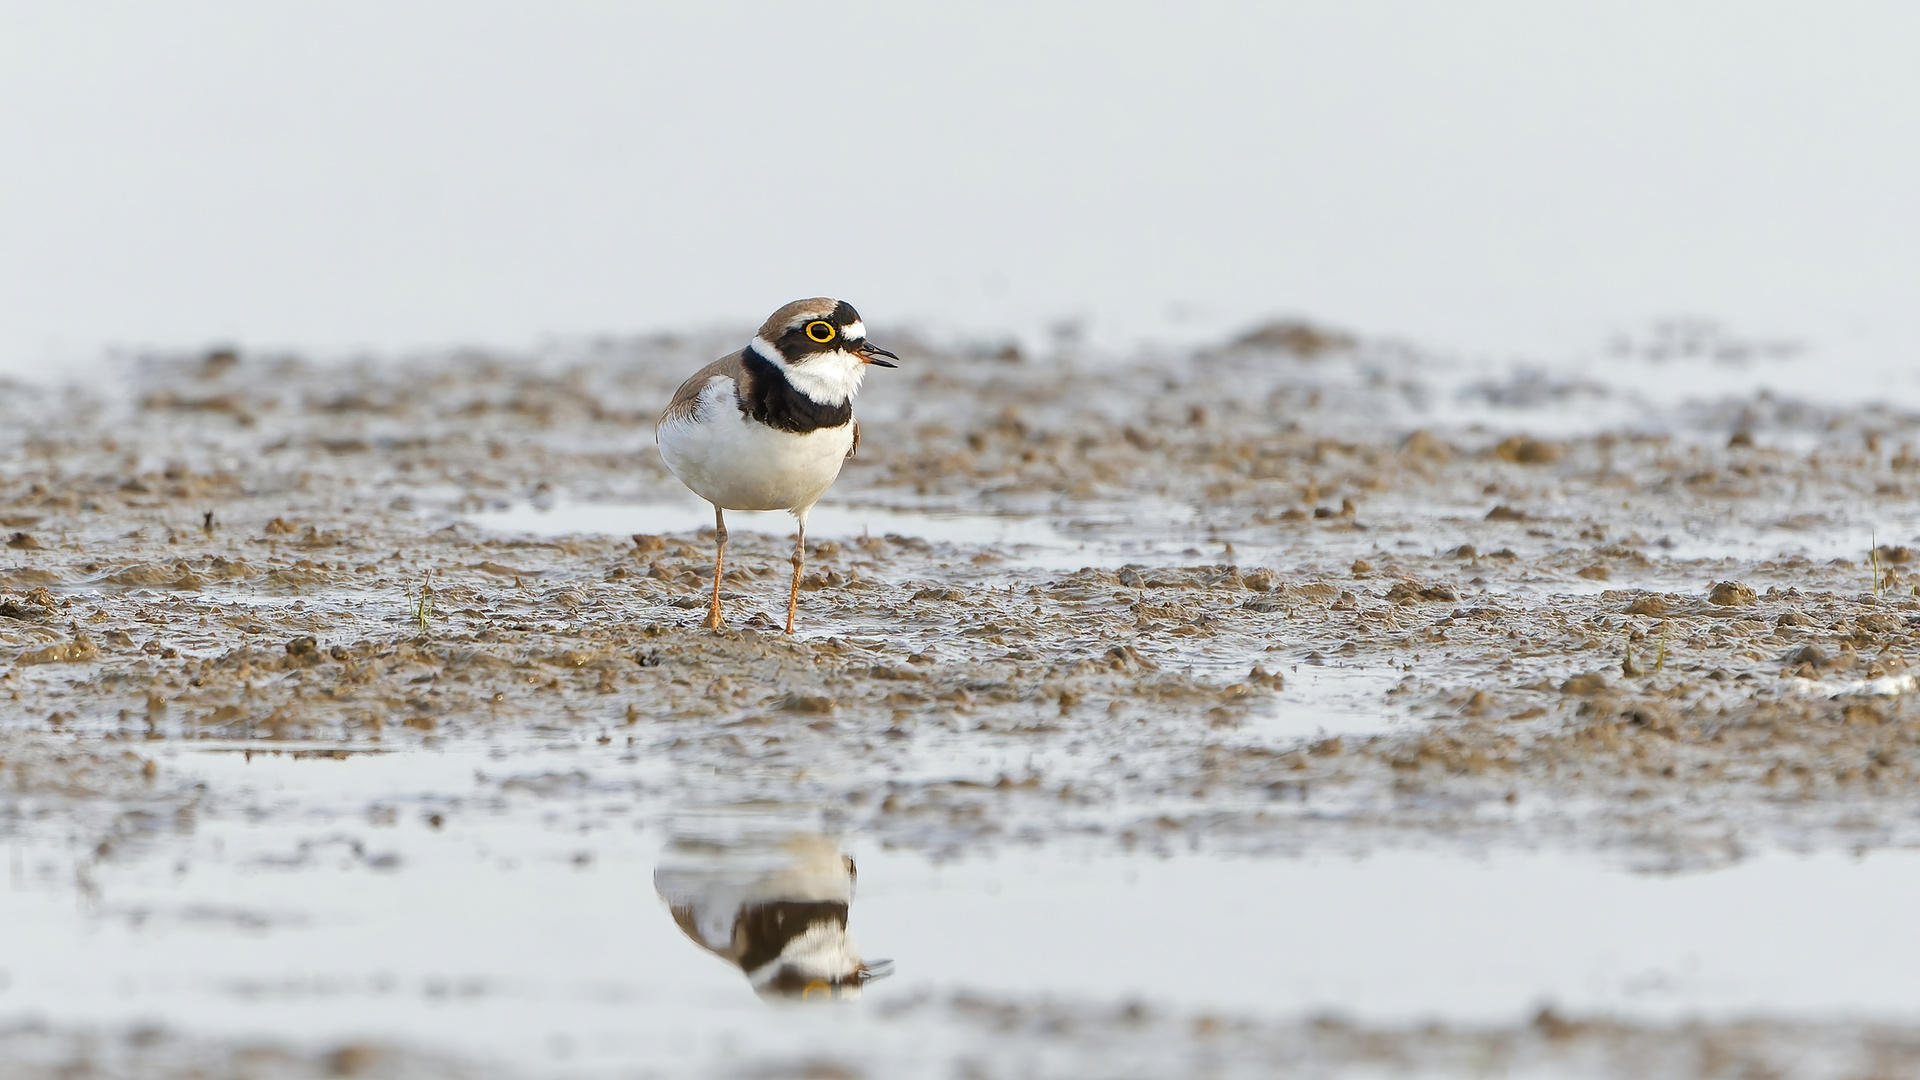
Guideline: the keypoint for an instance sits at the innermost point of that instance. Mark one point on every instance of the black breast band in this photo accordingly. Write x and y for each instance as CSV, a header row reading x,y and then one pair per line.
x,y
769,398
769,928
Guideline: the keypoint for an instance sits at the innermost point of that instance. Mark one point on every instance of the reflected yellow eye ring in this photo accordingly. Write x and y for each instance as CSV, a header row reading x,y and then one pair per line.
x,y
821,331
820,985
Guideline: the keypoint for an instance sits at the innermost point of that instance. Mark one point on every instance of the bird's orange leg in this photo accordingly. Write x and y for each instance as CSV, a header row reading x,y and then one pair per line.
x,y
714,622
799,564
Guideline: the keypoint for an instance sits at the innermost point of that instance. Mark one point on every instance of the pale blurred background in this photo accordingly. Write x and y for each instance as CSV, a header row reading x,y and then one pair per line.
x,y
1502,179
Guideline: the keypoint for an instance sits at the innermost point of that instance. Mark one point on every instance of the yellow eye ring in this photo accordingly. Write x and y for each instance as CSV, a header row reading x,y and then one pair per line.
x,y
820,331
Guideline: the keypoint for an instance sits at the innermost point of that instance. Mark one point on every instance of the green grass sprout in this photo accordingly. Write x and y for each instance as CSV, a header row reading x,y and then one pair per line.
x,y
422,603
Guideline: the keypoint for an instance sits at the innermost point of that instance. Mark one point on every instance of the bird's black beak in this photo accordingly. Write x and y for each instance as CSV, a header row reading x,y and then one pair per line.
x,y
874,354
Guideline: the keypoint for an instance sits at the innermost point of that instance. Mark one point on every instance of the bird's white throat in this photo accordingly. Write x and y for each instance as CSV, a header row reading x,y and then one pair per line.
x,y
828,377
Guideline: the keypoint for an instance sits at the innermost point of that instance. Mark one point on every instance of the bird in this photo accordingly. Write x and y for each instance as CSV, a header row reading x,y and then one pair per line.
x,y
768,427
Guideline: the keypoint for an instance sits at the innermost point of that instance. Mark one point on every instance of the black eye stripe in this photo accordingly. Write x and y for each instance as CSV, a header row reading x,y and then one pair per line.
x,y
796,342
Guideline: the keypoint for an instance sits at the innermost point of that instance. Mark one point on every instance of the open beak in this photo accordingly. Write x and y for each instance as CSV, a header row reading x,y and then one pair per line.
x,y
874,354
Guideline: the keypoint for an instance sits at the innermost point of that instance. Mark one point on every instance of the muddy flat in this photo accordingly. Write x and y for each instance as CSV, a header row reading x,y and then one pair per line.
x,y
1301,703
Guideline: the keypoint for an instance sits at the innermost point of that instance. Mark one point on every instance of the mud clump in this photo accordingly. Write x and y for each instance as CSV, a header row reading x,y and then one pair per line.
x,y
1412,592
1425,445
1301,339
1585,685
1808,654
1731,594
1655,606
1523,450
38,603
78,651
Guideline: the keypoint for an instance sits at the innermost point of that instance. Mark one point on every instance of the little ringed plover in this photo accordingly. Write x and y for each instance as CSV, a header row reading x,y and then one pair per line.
x,y
768,427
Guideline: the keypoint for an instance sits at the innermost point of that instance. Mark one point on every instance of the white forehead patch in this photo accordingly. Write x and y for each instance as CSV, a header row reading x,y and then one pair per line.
x,y
854,331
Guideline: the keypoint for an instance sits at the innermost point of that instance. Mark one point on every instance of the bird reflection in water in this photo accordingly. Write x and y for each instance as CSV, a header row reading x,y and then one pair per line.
x,y
775,908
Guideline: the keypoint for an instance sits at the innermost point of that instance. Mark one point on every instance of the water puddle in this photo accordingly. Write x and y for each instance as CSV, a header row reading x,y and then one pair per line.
x,y
1408,935
539,930
1885,686
828,521
1818,538
1321,701
1142,532
1169,535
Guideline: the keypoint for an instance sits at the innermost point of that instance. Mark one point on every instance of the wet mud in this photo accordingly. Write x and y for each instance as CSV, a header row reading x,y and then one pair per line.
x,y
1013,1037
1296,593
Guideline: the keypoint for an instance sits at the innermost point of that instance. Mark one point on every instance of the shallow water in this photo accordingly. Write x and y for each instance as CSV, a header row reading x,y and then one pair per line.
x,y
1030,536
1154,535
1410,935
529,929
1321,700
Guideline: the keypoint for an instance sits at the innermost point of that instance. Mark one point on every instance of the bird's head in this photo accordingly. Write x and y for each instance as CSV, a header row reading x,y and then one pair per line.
x,y
821,346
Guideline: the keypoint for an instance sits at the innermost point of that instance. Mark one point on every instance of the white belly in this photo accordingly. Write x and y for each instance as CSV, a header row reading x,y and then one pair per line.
x,y
739,465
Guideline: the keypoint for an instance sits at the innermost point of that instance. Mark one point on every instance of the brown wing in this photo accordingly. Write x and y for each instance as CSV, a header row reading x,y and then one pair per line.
x,y
683,917
687,397
856,438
